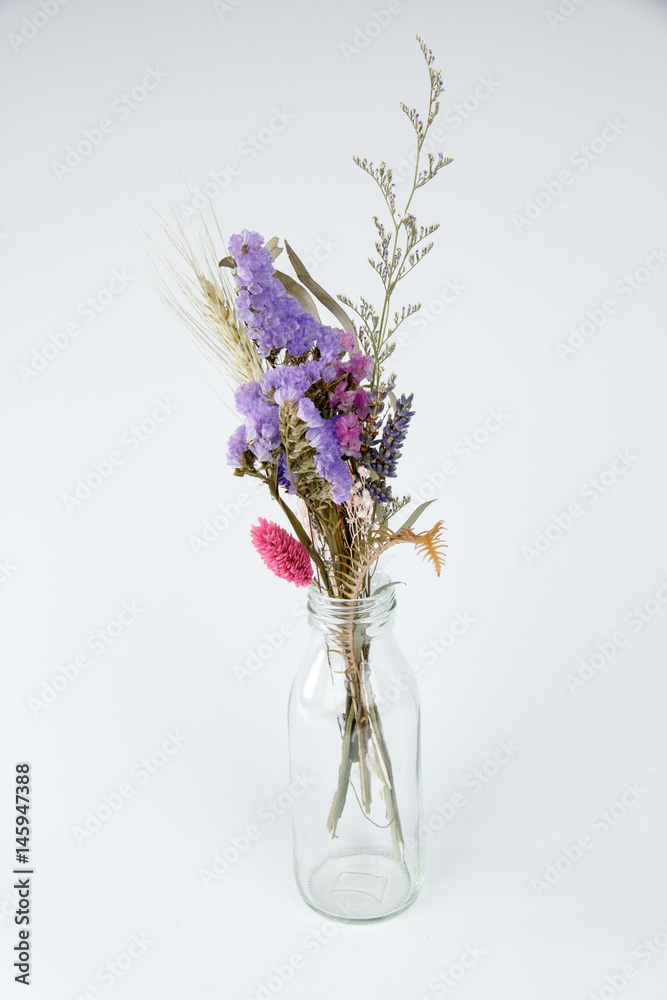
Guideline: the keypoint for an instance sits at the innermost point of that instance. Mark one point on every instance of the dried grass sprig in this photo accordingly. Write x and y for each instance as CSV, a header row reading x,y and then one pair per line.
x,y
202,295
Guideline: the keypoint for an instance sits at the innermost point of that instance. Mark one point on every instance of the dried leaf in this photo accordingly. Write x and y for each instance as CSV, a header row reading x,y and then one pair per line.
x,y
303,297
273,248
317,290
392,583
415,514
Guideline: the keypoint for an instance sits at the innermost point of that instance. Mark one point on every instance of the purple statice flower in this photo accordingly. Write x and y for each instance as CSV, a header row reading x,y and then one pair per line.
x,y
237,446
347,431
246,396
319,370
321,434
308,412
383,459
260,432
283,474
326,338
292,381
260,419
275,319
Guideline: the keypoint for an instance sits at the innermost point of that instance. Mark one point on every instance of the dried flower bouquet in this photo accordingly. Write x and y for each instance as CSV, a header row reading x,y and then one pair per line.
x,y
320,425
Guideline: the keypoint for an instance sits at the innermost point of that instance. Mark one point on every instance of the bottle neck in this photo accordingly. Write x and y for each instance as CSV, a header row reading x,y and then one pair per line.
x,y
372,616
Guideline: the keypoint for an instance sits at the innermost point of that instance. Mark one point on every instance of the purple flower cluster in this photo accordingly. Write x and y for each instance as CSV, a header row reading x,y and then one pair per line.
x,y
290,382
313,354
385,456
259,405
321,372
321,434
274,318
260,427
259,434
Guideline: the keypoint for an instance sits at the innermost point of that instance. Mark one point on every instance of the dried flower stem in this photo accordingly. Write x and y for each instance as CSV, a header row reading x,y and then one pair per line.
x,y
395,259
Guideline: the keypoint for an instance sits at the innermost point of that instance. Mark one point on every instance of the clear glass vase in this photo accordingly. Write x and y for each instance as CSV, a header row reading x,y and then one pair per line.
x,y
354,739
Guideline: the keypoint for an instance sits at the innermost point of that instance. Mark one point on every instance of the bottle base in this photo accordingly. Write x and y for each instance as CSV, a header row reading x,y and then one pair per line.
x,y
360,886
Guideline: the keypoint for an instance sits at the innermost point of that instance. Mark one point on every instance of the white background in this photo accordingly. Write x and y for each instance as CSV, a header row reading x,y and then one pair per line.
x,y
551,84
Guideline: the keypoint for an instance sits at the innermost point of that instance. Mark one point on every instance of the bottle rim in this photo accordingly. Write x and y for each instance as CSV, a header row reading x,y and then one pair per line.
x,y
384,602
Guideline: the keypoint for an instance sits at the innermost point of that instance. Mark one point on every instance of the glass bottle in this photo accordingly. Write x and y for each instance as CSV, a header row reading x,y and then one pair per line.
x,y
354,740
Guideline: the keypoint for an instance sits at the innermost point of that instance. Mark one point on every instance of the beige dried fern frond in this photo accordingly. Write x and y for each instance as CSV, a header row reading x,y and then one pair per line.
x,y
350,572
431,545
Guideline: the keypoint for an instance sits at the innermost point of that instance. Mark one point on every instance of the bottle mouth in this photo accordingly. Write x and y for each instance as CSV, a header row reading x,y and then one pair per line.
x,y
378,609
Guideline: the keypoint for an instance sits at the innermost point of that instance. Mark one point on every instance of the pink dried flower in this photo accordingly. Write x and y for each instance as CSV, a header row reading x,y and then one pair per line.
x,y
347,340
361,400
283,554
339,396
355,399
358,365
347,431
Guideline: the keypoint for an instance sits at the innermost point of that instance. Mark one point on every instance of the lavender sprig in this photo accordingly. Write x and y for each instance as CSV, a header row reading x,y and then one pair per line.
x,y
386,456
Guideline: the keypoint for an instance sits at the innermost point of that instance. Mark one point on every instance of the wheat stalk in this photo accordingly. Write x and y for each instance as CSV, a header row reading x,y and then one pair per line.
x,y
202,296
